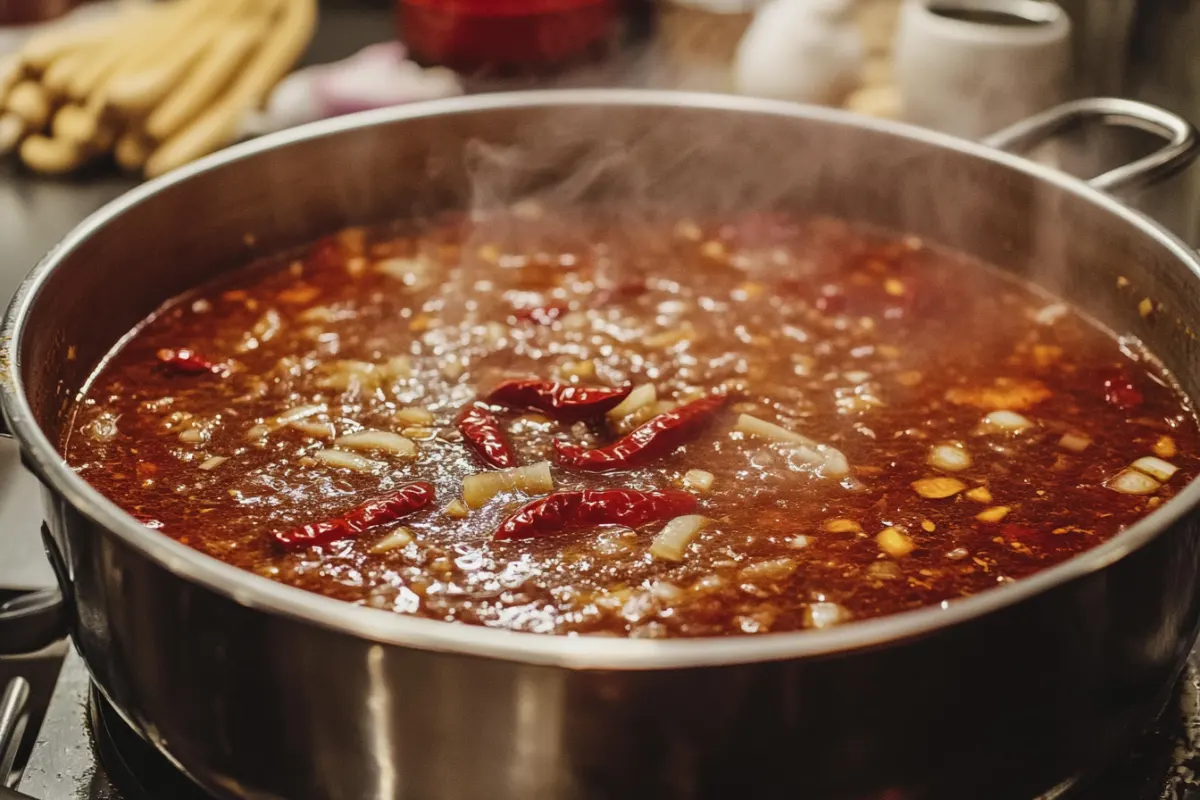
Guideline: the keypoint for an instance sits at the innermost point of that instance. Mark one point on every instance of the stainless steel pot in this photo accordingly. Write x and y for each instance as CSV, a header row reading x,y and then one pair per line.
x,y
259,690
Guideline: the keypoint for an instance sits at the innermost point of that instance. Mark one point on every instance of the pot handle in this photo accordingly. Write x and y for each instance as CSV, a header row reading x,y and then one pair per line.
x,y
1181,149
35,620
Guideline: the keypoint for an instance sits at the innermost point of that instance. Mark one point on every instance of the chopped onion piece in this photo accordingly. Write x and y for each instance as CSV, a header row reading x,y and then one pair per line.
x,y
193,436
772,569
1074,442
979,494
213,463
831,461
103,428
298,413
317,430
384,441
288,417
481,487
674,538
639,398
414,416
950,457
993,514
824,615
698,480
457,509
401,537
1048,315
843,526
1005,421
578,369
1131,481
667,592
753,426
345,460
1155,467
1164,447
798,542
938,488
895,542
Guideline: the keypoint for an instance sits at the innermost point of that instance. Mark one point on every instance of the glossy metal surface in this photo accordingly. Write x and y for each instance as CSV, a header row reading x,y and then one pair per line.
x,y
264,691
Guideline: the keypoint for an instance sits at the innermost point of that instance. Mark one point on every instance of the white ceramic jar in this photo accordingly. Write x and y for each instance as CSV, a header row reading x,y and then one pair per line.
x,y
971,67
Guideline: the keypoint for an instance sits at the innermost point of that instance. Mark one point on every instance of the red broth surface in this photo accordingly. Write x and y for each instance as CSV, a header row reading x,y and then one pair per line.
x,y
855,424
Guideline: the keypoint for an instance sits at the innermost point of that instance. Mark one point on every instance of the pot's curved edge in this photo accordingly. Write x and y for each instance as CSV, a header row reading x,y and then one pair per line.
x,y
572,652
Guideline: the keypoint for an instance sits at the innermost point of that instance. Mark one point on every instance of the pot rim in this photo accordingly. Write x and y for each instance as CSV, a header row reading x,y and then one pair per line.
x,y
575,652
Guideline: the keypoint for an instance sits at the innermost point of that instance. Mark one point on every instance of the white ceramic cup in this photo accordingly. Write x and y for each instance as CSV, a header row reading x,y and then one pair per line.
x,y
971,67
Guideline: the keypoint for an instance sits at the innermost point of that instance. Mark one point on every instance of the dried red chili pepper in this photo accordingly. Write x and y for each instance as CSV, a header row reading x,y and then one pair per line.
x,y
483,432
561,401
563,512
186,361
380,511
647,442
541,315
1120,391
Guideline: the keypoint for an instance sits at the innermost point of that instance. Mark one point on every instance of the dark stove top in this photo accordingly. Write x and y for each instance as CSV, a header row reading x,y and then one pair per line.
x,y
85,751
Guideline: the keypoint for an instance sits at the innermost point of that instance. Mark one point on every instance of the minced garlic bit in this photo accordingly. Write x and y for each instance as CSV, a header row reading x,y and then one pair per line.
x,y
938,488
825,615
670,338
1146,307
397,539
578,369
928,525
993,514
1155,467
1004,421
698,480
843,526
1004,394
979,494
951,457
714,249
895,542
457,509
672,541
1164,447
1074,442
481,487
686,229
798,542
213,463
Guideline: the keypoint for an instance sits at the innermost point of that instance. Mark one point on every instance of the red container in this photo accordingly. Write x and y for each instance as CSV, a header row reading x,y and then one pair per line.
x,y
505,36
